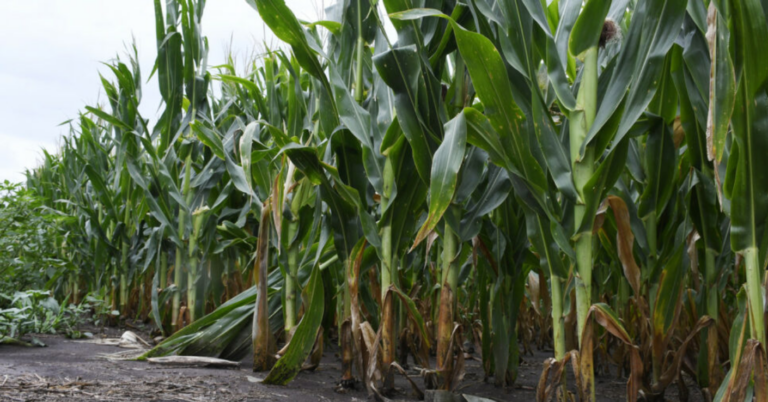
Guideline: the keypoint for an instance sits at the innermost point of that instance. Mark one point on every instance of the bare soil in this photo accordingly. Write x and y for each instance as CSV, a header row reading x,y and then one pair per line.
x,y
69,370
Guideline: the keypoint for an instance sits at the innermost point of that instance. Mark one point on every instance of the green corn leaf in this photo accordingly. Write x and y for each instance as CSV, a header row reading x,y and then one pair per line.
x,y
108,118
655,25
588,26
400,69
569,12
488,73
445,169
749,196
516,41
409,198
210,139
557,76
239,179
660,166
489,78
695,136
501,332
171,344
722,85
160,210
98,182
351,114
344,218
540,234
751,38
667,305
481,134
358,121
664,102
332,26
697,63
536,9
304,338
497,188
600,182
556,157
248,84
246,145
414,314
170,76
284,24
704,210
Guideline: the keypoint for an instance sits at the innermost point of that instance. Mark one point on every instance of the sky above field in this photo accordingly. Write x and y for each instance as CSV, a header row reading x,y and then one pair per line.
x,y
51,53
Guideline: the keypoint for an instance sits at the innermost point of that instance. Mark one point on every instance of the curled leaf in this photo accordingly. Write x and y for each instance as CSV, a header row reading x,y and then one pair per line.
x,y
625,240
606,318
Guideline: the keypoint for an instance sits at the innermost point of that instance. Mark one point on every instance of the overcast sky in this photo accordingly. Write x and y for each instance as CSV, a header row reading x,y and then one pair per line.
x,y
50,54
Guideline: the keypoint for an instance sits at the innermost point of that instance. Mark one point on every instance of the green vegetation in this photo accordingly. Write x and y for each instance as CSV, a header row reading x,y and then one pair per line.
x,y
36,312
591,173
28,240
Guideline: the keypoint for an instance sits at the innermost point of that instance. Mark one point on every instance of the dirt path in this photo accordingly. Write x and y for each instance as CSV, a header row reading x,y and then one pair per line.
x,y
70,370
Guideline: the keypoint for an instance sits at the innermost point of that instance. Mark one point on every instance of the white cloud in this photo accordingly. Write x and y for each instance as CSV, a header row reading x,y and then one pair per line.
x,y
52,52
22,153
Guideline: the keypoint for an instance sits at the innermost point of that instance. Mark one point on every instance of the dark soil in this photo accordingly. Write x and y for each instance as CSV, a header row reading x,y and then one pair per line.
x,y
68,370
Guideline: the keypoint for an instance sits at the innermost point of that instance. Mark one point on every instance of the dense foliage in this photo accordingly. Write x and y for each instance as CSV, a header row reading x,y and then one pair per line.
x,y
514,173
28,237
36,312
33,244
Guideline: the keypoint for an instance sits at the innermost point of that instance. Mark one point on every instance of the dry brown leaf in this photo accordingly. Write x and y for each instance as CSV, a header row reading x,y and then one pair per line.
x,y
672,372
586,357
416,390
625,240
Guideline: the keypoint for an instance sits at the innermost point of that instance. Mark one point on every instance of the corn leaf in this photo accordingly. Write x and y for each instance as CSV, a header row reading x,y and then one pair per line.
x,y
445,169
588,26
304,338
655,25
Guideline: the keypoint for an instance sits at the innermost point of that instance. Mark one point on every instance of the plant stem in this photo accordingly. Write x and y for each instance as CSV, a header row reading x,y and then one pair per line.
x,y
290,284
333,259
292,227
75,291
710,280
754,293
558,321
260,332
123,286
651,225
583,169
459,84
177,270
450,263
163,270
581,121
360,49
193,260
124,260
558,331
387,270
345,329
583,280
450,272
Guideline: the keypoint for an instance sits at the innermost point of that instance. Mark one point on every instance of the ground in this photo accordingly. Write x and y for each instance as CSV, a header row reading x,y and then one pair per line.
x,y
68,370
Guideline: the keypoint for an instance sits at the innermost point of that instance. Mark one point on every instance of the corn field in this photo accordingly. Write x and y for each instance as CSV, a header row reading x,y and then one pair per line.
x,y
582,177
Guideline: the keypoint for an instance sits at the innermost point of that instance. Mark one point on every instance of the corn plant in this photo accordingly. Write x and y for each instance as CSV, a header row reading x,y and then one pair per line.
x,y
497,169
